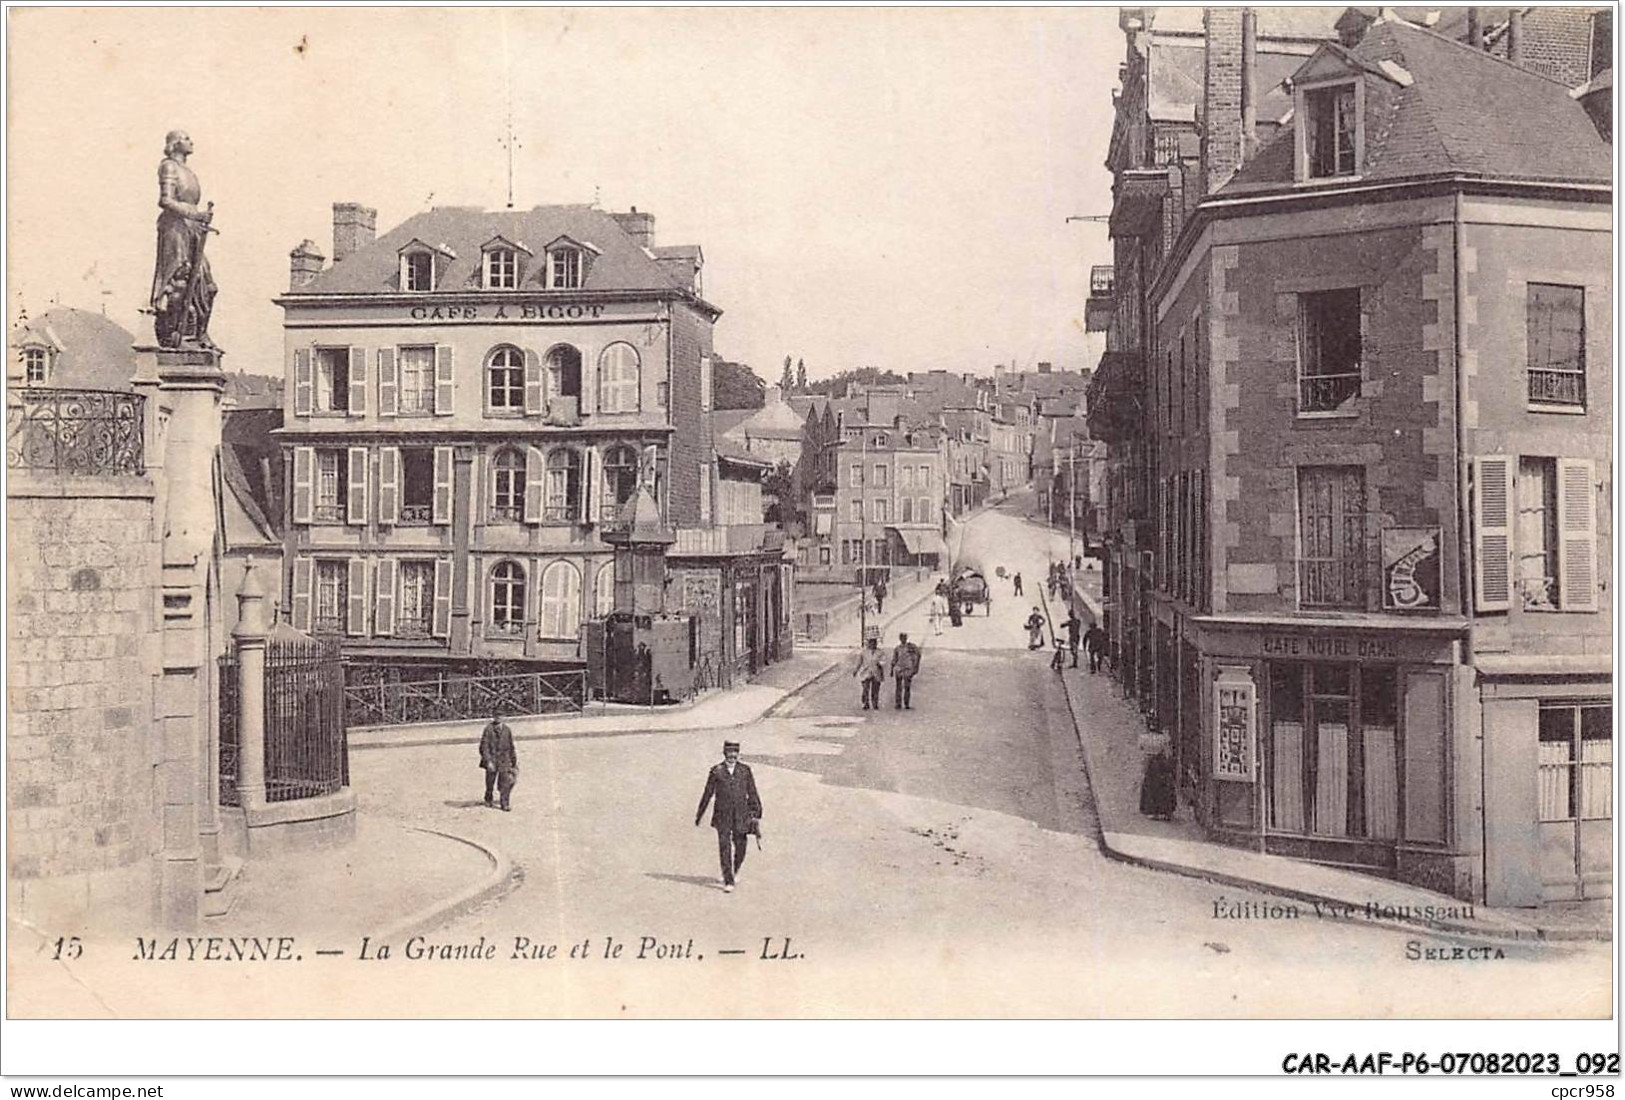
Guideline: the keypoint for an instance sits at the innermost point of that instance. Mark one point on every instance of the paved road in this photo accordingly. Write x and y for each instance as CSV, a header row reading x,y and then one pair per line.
x,y
939,861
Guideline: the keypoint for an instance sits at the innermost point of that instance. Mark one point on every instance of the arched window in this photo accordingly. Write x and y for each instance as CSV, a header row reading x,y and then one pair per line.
x,y
620,478
603,590
508,598
508,485
561,601
563,485
618,379
563,372
505,379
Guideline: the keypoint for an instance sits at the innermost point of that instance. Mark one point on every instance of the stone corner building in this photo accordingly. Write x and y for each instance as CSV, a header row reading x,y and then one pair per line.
x,y
1359,394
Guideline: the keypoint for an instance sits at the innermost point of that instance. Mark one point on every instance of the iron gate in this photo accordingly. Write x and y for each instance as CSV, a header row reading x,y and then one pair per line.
x,y
306,753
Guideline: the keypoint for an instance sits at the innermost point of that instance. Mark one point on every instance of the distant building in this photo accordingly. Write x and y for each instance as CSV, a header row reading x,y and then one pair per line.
x,y
69,348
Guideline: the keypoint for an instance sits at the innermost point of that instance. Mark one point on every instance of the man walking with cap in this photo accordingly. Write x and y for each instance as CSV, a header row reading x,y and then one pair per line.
x,y
905,664
737,810
498,760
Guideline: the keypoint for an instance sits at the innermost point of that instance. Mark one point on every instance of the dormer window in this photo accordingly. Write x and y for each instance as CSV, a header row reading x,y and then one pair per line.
x,y
417,271
422,265
1331,131
501,269
35,363
501,263
564,270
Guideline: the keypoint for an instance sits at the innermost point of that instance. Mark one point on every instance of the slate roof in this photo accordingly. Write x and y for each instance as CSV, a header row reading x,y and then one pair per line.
x,y
245,439
92,352
621,262
1466,112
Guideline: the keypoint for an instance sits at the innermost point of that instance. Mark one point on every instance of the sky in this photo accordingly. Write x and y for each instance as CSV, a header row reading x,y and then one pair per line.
x,y
870,187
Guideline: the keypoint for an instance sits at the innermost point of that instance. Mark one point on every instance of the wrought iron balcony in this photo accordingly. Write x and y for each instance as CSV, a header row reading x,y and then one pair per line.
x,y
1557,387
76,431
1327,392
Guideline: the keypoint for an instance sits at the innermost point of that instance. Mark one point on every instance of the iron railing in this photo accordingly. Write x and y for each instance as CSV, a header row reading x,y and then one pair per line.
x,y
415,514
1557,387
306,752
1332,582
456,697
1327,392
76,431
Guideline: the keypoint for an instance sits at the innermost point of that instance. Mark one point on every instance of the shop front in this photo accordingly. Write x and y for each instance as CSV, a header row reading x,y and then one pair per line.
x,y
1548,778
1334,742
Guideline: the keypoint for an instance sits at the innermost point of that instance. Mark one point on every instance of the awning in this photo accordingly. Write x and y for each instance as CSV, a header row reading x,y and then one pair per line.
x,y
920,540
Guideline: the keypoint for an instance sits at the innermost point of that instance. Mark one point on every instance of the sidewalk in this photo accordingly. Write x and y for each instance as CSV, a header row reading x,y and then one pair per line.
x,y
734,707
1109,728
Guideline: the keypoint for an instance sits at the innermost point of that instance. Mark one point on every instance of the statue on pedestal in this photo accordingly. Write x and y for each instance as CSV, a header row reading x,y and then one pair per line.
x,y
183,290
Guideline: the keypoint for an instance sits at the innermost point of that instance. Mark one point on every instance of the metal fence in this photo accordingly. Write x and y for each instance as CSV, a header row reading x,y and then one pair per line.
x,y
306,754
76,431
454,697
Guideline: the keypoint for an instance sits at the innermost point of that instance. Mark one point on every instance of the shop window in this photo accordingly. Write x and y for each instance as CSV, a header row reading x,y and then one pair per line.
x,y
1555,319
1576,762
1334,750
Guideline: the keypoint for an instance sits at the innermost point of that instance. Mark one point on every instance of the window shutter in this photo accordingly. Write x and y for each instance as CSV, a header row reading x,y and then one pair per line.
x,y
304,483
442,380
591,471
533,384
706,399
1576,535
389,383
389,485
535,474
302,382
383,606
356,511
358,380
1492,537
442,486
357,611
442,598
302,569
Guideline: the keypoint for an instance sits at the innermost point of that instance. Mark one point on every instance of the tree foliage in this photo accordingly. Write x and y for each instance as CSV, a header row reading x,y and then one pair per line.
x,y
736,386
835,386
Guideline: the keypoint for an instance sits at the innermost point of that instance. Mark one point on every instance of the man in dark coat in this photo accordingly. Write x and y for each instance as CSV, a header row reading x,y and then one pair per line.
x,y
737,811
1074,632
905,665
498,759
880,596
1095,641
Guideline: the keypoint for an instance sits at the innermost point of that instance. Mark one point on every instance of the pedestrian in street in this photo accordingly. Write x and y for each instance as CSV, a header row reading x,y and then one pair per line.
x,y
870,671
939,607
1035,629
905,665
737,813
1157,788
1095,641
880,596
498,760
1074,633
1016,580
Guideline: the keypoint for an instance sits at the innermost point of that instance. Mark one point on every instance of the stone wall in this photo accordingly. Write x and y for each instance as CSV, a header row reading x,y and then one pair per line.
x,y
82,562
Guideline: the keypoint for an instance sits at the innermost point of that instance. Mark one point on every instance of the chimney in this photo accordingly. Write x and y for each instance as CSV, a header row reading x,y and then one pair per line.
x,y
1249,82
354,227
1475,30
1045,368
1515,36
1221,97
304,264
640,227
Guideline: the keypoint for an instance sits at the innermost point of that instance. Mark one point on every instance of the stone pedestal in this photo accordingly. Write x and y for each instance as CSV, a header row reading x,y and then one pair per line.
x,y
185,388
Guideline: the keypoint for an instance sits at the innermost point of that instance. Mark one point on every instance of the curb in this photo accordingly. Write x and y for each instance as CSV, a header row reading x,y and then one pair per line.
x,y
501,879
1517,933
